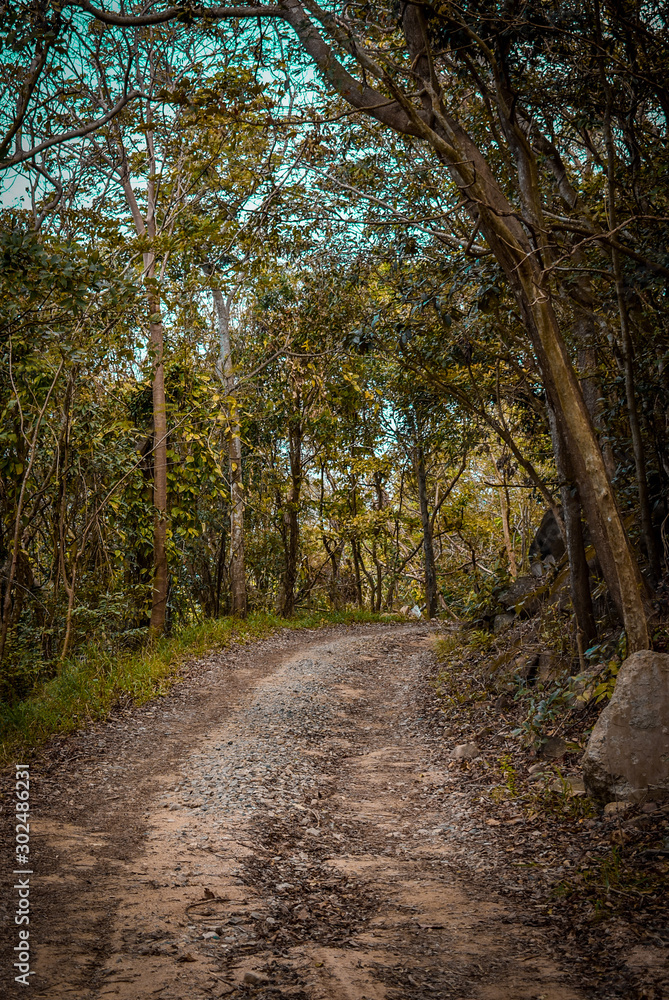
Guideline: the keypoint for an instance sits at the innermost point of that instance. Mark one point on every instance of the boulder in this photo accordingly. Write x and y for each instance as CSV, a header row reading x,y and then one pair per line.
x,y
548,540
627,757
520,595
502,622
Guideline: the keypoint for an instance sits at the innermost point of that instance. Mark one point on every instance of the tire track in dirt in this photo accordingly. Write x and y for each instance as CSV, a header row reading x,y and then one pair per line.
x,y
274,832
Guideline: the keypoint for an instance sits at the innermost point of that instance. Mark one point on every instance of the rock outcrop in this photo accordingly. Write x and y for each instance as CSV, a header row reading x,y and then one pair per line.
x,y
548,540
627,757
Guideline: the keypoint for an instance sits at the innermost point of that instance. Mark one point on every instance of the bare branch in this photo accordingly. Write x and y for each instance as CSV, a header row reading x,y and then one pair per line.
x,y
173,13
75,133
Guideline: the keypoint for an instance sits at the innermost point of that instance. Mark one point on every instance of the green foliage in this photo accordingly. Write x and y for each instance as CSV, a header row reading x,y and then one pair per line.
x,y
554,796
543,706
509,774
551,796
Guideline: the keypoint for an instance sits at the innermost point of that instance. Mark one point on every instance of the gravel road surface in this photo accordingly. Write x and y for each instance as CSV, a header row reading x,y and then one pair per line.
x,y
283,824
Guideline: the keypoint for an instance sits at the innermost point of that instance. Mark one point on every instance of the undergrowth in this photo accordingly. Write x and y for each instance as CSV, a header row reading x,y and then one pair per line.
x,y
539,701
552,795
614,881
91,685
460,680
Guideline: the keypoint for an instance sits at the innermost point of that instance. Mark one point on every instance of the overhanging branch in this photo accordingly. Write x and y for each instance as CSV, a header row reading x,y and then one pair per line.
x,y
75,133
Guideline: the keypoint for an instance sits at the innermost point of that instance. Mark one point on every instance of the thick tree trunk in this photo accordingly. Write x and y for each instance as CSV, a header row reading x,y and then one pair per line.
x,y
647,532
290,570
220,572
377,595
431,603
238,599
619,565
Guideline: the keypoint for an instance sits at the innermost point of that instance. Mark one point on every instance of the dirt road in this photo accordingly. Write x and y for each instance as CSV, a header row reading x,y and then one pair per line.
x,y
283,824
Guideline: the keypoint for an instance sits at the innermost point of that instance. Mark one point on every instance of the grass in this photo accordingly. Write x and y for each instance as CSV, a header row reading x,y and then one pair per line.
x,y
90,686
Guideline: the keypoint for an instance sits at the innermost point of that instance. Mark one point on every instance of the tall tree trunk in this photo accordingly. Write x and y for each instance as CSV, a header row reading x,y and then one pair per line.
x,y
432,606
238,599
579,573
355,548
220,570
378,590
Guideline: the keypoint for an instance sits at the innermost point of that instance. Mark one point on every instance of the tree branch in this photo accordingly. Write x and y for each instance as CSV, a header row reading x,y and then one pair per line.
x,y
74,133
172,14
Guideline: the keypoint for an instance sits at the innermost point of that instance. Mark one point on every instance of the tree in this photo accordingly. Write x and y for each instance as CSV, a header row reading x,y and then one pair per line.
x,y
512,221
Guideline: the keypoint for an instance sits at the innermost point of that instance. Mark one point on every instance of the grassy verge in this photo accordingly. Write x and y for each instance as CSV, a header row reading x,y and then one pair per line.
x,y
91,685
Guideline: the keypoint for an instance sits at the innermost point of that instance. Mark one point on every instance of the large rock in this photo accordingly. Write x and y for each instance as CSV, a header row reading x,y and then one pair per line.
x,y
520,595
627,756
548,540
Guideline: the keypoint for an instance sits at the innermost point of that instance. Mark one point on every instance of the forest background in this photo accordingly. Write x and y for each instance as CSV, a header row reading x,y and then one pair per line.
x,y
324,308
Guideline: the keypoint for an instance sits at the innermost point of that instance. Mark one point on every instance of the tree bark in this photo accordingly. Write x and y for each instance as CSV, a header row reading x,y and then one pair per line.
x,y
647,532
238,598
625,335
160,570
521,263
584,330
